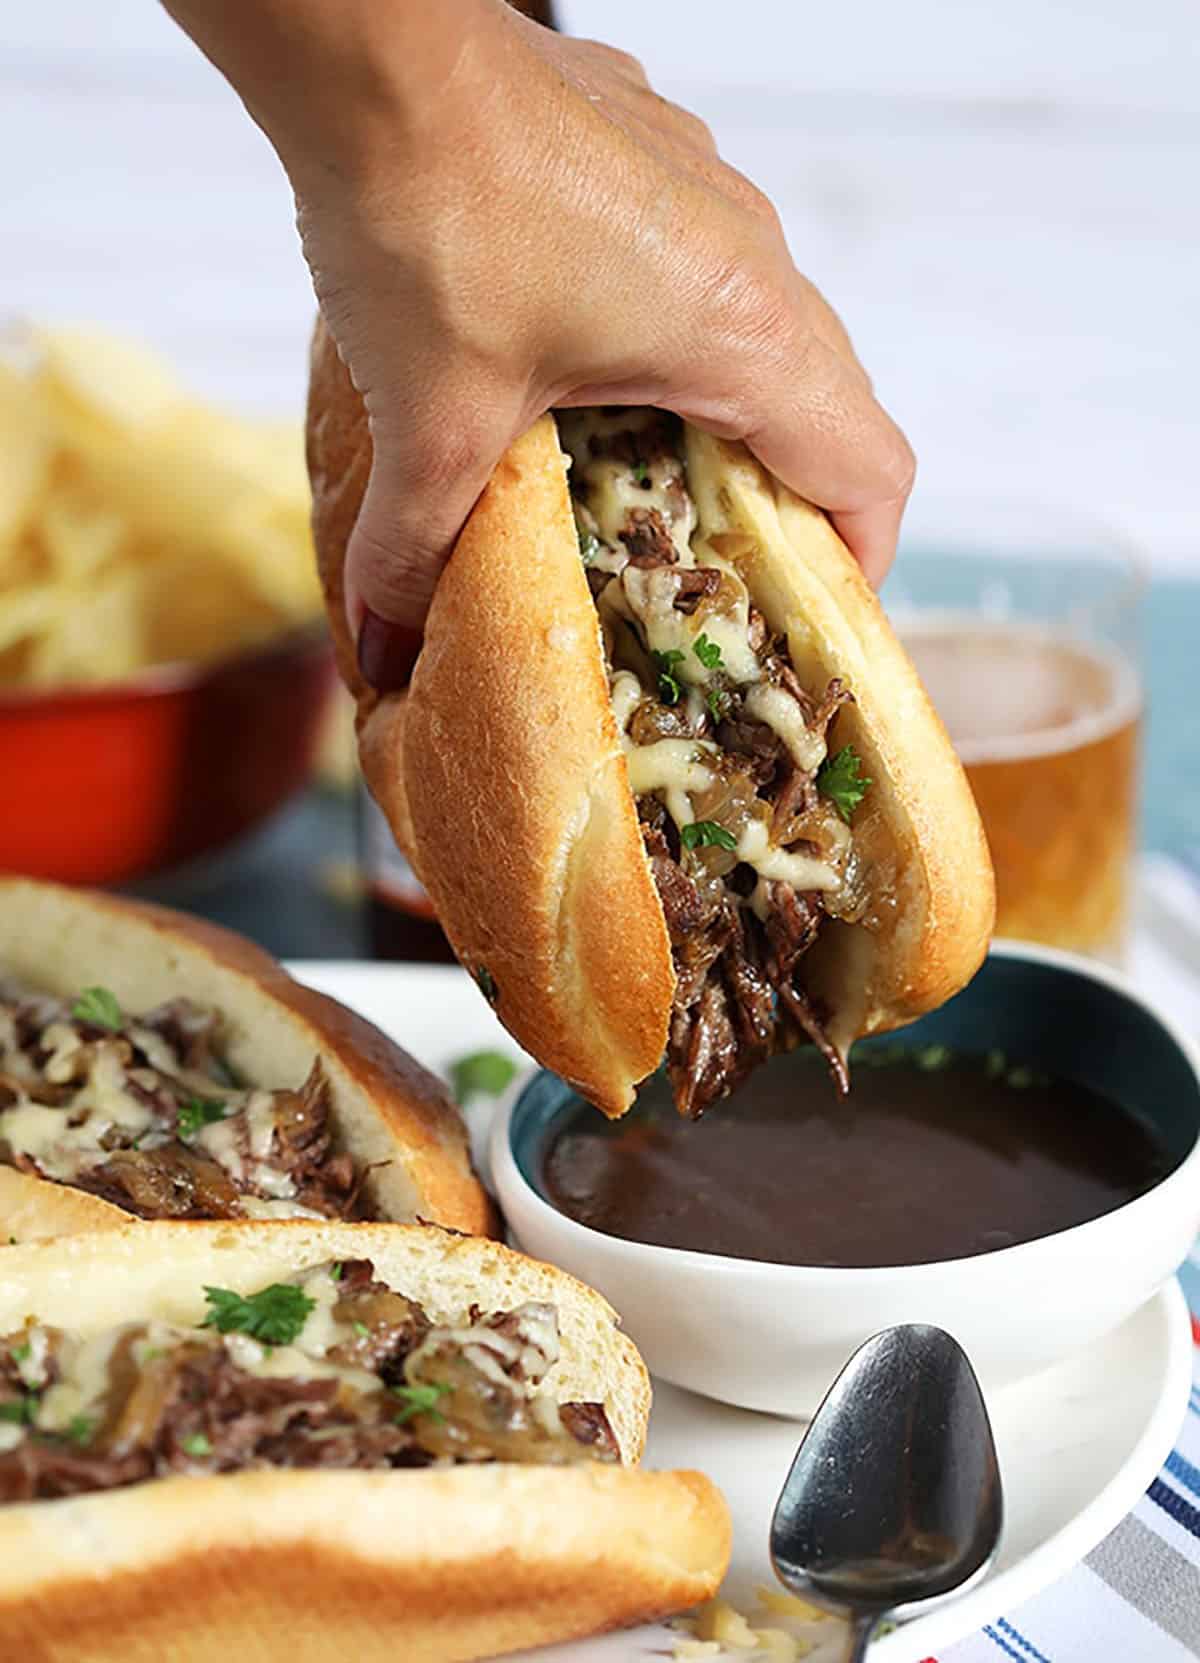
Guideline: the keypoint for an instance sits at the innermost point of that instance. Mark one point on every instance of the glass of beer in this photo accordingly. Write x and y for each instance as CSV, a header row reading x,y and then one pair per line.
x,y
1024,626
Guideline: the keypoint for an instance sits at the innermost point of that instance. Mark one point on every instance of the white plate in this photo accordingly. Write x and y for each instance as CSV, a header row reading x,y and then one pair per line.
x,y
1078,1445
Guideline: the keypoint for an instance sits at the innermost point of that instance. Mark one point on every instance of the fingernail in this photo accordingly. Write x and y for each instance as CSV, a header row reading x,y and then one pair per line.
x,y
386,652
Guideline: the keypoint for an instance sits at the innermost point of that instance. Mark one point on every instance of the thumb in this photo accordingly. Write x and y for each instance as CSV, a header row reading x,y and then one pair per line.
x,y
426,476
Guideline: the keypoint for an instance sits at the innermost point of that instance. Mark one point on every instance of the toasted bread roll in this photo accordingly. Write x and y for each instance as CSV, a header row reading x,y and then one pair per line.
x,y
425,1563
806,834
392,1127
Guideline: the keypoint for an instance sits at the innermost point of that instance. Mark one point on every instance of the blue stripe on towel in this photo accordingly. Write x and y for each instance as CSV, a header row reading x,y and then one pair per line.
x,y
1181,1468
1184,1514
1003,1644
1025,1645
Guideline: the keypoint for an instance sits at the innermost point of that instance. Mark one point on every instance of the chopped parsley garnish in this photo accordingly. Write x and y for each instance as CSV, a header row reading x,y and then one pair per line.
x,y
589,545
198,1112
482,1074
420,1400
195,1444
642,474
335,1273
80,1428
21,1353
274,1315
707,834
708,652
840,778
669,690
361,1329
486,983
98,1008
22,1410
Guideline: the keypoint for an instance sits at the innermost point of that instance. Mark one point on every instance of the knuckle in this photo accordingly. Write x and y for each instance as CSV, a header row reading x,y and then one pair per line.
x,y
901,467
614,58
697,130
753,201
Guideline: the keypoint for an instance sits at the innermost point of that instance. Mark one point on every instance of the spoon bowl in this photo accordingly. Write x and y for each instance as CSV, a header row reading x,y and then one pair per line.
x,y
894,1496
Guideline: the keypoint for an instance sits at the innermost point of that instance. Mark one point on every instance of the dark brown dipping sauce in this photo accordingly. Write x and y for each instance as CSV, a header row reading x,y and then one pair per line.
x,y
933,1157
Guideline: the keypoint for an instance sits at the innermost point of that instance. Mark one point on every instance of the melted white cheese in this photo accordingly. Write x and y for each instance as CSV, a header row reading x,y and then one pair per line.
x,y
260,1124
254,1206
84,1383
677,764
222,1140
31,1365
650,597
61,1149
780,712
64,1045
627,693
801,871
611,488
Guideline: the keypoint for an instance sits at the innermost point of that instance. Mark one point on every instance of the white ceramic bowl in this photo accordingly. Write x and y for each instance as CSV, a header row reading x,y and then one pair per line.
x,y
773,1337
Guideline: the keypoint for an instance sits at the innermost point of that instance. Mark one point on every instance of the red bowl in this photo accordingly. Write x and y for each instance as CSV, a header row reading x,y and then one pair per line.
x,y
103,785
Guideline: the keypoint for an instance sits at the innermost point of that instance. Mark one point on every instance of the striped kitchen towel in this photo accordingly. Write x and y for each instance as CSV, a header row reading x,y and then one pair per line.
x,y
1135,1598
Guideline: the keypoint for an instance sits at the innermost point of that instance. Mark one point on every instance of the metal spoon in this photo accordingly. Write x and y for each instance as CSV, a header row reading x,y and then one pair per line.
x,y
894,1495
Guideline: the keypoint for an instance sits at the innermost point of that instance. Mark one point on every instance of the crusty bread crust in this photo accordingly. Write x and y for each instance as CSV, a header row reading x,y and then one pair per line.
x,y
431,1566
918,830
423,1567
503,779
385,1107
530,871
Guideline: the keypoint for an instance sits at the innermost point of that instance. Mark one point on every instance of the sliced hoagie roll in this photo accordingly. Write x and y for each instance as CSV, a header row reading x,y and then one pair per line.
x,y
284,1440
668,775
157,1065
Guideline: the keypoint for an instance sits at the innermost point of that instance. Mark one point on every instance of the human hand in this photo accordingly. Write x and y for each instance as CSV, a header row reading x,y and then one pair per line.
x,y
500,220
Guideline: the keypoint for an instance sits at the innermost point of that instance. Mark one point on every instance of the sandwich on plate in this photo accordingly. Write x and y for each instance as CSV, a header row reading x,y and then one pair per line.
x,y
671,781
300,1440
155,1065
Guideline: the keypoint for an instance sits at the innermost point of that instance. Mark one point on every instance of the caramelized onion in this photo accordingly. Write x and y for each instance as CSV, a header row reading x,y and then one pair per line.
x,y
478,1419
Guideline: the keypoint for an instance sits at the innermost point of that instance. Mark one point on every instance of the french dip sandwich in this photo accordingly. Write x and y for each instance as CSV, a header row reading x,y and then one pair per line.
x,y
299,1441
155,1065
671,781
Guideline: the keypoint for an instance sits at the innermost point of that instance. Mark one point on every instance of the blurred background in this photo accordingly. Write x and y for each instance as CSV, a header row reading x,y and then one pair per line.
x,y
1000,200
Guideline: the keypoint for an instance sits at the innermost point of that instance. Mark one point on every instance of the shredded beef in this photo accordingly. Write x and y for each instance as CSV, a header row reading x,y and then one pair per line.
x,y
693,585
658,436
792,927
588,1424
800,1008
764,751
736,998
37,1469
751,991
704,1060
798,795
171,1182
648,540
680,898
166,1171
186,1404
189,1029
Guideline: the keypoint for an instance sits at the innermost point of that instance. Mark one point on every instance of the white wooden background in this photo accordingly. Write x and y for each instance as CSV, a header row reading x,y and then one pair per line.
x,y
1002,199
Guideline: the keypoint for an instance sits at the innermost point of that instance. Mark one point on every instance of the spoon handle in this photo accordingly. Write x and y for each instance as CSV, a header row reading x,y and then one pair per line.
x,y
859,1632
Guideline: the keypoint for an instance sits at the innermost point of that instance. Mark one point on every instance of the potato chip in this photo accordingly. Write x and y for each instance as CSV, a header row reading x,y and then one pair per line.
x,y
139,525
26,450
119,383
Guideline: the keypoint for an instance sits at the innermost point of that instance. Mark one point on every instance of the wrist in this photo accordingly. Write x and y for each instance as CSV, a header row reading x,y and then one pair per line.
x,y
330,81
